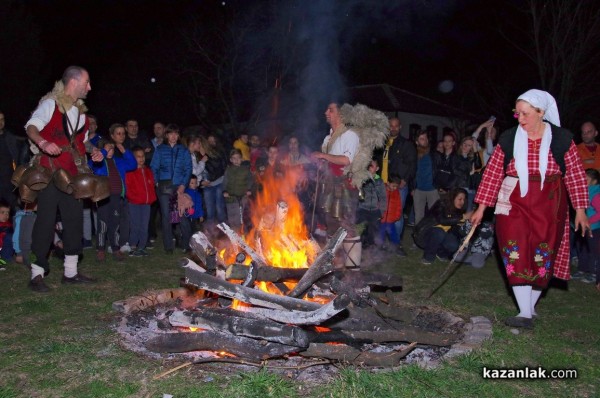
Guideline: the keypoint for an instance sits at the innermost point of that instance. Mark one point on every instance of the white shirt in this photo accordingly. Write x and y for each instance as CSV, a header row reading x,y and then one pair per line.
x,y
346,144
43,113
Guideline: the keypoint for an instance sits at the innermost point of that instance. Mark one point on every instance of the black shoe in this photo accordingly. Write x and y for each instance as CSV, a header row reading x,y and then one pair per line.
x,y
400,252
78,278
519,322
37,285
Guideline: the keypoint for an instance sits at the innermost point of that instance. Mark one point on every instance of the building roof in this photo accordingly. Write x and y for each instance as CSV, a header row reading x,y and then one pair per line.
x,y
386,98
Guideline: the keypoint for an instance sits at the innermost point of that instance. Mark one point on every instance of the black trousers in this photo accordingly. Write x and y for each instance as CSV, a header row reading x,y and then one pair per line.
x,y
50,201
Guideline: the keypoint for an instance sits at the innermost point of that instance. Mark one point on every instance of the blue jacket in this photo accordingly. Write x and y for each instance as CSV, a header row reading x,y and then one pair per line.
x,y
124,164
172,163
197,199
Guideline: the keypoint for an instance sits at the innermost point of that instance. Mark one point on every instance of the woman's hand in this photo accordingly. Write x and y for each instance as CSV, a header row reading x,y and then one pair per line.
x,y
582,222
477,215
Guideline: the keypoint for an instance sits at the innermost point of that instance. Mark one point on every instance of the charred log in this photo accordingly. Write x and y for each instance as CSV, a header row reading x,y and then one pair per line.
x,y
241,324
405,334
265,274
238,240
322,264
327,311
246,294
242,347
344,353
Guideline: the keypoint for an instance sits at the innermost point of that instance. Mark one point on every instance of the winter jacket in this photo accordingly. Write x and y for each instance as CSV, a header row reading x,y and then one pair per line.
x,y
172,163
140,186
402,160
445,166
238,180
125,162
393,209
463,167
374,194
197,199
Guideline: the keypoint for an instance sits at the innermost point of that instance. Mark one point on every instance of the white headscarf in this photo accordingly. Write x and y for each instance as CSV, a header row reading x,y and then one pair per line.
x,y
546,102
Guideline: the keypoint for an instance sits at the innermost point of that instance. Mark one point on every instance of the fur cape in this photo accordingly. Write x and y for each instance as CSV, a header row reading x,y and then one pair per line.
x,y
58,95
372,128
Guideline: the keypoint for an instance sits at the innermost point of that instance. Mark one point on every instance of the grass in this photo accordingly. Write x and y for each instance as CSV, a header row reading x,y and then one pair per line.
x,y
62,344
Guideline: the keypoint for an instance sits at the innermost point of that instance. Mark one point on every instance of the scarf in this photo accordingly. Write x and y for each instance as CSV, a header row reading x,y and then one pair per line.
x,y
542,100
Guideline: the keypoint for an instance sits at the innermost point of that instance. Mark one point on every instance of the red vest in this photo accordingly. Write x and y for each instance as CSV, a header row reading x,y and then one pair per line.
x,y
54,132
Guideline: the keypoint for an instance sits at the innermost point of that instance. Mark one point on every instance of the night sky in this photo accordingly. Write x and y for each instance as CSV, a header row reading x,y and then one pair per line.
x,y
141,65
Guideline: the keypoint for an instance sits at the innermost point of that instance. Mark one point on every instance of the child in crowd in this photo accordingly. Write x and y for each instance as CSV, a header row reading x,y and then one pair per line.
x,y
192,216
237,187
393,211
140,195
589,251
371,205
6,234
23,224
112,210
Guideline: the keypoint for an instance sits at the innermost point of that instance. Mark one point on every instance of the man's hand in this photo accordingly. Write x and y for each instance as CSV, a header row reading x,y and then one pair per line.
x,y
121,148
225,195
50,148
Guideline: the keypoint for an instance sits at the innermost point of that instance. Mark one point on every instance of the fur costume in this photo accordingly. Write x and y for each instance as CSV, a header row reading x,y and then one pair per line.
x,y
372,128
63,100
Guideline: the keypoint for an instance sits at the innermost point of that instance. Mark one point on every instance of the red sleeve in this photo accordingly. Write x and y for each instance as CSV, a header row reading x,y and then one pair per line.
x,y
575,179
493,175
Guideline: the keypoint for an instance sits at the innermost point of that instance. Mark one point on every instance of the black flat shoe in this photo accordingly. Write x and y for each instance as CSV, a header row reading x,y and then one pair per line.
x,y
519,322
78,278
37,285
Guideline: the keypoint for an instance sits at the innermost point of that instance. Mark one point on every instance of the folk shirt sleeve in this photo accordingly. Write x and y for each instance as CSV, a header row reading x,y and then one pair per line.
x,y
575,179
43,113
493,175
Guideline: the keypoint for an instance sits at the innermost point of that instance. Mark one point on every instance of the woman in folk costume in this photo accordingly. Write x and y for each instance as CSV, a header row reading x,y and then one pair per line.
x,y
526,178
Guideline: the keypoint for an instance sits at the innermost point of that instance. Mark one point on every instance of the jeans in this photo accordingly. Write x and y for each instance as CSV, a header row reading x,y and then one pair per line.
x,y
165,218
112,211
371,219
441,243
389,229
139,216
215,203
400,223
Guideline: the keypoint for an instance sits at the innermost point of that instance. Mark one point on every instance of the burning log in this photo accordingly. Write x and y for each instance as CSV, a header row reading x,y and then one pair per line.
x,y
149,299
205,251
351,355
404,334
265,274
240,324
251,276
327,311
322,264
236,239
246,294
243,347
187,263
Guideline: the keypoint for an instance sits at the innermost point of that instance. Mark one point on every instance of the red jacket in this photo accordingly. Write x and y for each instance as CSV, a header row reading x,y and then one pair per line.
x,y
140,186
393,209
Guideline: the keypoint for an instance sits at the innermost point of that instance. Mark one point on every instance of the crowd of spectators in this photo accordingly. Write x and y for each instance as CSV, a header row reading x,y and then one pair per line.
x,y
194,181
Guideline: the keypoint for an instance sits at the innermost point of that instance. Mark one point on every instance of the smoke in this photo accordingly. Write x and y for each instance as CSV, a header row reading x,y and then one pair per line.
x,y
326,39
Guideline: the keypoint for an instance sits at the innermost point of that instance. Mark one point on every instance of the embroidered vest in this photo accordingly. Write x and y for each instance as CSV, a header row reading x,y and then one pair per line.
x,y
55,132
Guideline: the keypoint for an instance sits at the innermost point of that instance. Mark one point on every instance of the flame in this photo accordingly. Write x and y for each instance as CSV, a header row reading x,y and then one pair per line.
x,y
278,217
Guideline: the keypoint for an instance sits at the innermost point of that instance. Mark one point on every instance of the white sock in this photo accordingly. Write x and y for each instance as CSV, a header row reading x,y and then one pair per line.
x,y
71,265
523,296
36,270
535,296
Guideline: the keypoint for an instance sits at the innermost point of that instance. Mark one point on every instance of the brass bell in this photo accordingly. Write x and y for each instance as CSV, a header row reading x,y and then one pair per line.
x,y
62,180
26,194
17,174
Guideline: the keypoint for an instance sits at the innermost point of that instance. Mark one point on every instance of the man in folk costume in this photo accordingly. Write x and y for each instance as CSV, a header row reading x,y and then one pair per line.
x,y
338,150
348,150
57,130
526,178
